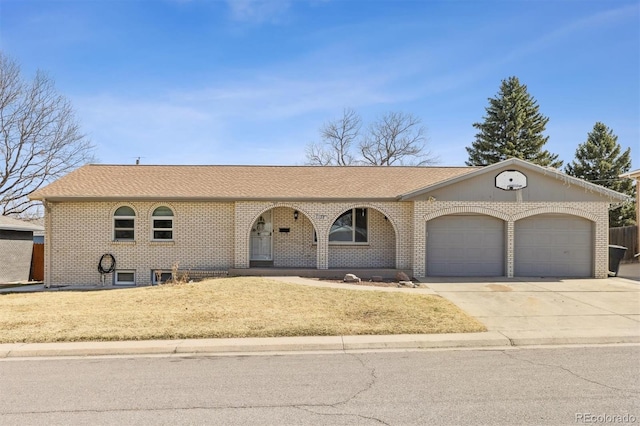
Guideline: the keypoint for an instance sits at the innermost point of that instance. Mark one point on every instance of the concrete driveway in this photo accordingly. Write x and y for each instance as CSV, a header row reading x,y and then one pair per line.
x,y
576,307
630,271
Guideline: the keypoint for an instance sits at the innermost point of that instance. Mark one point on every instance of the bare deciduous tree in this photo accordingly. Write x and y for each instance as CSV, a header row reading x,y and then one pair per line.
x,y
338,137
394,139
40,139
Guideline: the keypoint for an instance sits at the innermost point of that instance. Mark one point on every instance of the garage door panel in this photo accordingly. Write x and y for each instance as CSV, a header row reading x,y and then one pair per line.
x,y
470,245
553,245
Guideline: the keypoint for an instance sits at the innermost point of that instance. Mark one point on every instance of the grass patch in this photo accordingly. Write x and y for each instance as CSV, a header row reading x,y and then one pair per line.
x,y
229,307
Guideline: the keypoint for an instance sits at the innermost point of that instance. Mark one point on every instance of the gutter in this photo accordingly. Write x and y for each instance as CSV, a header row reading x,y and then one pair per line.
x,y
216,199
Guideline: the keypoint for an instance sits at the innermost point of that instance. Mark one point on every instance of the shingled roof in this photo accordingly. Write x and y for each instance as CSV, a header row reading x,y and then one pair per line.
x,y
140,182
11,224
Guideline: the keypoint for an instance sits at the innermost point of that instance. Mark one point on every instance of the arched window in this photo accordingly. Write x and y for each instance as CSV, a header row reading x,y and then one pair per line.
x,y
162,223
123,224
350,227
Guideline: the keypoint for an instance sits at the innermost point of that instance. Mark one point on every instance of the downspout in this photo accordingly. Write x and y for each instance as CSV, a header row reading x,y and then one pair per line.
x,y
47,243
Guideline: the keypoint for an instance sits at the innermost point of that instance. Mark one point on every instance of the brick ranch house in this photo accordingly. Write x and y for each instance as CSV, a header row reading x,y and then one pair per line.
x,y
508,219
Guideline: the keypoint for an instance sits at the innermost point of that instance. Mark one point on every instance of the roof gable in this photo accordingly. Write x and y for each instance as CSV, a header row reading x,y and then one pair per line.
x,y
562,178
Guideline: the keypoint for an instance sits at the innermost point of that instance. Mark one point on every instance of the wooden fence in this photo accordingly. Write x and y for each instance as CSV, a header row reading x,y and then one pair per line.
x,y
626,236
37,263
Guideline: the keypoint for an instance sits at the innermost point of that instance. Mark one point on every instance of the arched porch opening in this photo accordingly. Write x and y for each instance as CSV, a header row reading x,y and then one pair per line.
x,y
362,237
282,237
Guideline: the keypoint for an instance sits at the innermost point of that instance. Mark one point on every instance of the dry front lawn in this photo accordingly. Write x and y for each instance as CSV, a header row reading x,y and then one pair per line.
x,y
230,307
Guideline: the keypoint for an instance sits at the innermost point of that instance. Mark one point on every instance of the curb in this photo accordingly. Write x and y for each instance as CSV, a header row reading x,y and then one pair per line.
x,y
316,344
254,345
573,337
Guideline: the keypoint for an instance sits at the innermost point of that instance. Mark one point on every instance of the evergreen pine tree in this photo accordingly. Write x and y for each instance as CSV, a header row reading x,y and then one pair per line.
x,y
599,160
512,127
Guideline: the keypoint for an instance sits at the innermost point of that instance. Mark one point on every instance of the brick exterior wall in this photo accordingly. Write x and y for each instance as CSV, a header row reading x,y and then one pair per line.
x,y
394,248
79,233
379,252
216,235
293,249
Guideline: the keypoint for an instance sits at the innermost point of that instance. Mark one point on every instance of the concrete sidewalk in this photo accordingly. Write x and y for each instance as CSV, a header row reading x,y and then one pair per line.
x,y
516,313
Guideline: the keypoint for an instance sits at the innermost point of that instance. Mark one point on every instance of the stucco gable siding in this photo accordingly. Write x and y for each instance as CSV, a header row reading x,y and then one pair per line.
x,y
540,187
465,184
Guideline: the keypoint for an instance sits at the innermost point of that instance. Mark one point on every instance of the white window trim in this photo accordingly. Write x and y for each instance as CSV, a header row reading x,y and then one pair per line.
x,y
352,242
117,272
172,229
113,225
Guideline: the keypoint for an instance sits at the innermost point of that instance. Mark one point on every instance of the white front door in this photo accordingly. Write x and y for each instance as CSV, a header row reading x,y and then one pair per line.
x,y
261,233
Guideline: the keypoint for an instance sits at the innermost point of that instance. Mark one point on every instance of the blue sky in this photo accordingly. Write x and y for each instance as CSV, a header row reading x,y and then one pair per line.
x,y
251,81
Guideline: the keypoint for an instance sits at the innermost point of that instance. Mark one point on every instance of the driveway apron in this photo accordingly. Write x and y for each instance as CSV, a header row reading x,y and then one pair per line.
x,y
610,306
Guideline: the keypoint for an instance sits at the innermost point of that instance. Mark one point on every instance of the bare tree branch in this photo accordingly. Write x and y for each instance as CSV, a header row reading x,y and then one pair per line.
x,y
318,155
40,139
396,138
338,137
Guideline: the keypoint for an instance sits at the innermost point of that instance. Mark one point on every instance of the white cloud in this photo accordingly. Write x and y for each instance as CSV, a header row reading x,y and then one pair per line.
x,y
588,23
279,97
278,114
123,129
258,11
267,114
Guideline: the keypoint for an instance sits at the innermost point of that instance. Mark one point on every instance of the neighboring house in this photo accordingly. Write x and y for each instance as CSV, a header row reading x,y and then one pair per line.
x,y
37,262
16,248
38,236
508,219
636,175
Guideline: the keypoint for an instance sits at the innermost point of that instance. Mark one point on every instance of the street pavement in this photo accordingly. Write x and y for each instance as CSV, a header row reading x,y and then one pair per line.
x,y
516,312
490,387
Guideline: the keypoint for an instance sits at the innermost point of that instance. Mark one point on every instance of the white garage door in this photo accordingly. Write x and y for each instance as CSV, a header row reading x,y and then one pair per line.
x,y
553,246
469,245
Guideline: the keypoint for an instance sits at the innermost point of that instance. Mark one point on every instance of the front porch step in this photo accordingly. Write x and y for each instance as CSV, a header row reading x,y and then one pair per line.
x,y
261,263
